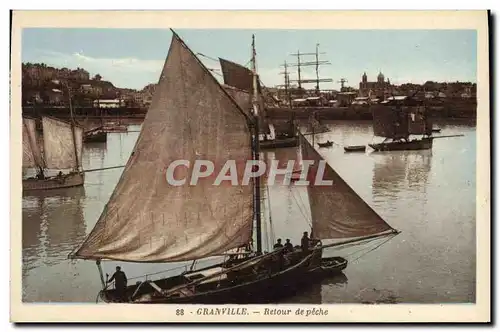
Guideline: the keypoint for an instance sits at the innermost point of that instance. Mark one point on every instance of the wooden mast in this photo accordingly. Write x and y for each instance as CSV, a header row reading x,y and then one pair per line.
x,y
73,130
256,151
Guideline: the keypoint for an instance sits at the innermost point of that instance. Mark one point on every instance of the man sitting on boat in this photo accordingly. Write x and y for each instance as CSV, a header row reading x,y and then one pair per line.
x,y
278,244
288,246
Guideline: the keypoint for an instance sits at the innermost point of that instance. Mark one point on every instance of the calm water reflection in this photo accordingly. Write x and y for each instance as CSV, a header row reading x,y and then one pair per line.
x,y
428,195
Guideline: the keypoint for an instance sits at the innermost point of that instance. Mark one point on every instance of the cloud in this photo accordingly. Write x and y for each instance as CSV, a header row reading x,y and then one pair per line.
x,y
122,72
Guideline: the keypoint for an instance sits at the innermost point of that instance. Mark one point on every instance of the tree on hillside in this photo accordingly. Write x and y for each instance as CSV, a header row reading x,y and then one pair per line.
x,y
97,77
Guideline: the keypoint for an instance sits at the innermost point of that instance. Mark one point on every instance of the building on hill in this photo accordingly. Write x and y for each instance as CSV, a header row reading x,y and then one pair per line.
x,y
378,89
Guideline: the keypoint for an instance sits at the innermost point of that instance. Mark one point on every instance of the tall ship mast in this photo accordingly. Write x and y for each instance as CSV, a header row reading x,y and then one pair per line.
x,y
300,64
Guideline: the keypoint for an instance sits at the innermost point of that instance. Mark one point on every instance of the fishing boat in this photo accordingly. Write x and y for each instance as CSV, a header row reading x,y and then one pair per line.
x,y
396,119
355,148
326,144
424,143
58,147
114,127
436,130
279,142
314,126
149,220
96,135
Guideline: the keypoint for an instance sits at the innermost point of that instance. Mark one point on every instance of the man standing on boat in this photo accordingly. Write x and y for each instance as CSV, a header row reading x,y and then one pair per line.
x,y
304,243
120,282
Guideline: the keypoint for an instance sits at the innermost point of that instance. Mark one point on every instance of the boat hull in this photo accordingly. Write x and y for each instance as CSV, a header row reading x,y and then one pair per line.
x,y
114,128
100,137
357,148
423,144
65,181
288,142
264,289
325,145
330,266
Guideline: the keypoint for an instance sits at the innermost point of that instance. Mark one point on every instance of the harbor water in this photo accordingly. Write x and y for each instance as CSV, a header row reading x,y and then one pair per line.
x,y
430,196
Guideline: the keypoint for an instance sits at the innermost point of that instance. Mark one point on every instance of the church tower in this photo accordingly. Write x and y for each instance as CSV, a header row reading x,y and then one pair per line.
x,y
380,78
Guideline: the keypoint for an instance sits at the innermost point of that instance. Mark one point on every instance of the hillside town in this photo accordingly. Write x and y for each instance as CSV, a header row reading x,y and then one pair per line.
x,y
44,85
47,87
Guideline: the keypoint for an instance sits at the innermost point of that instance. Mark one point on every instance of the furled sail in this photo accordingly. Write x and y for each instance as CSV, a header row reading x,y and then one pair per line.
x,y
32,155
147,219
59,144
337,212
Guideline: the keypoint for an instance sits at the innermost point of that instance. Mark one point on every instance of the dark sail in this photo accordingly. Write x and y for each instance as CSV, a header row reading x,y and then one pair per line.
x,y
239,84
337,211
237,76
399,117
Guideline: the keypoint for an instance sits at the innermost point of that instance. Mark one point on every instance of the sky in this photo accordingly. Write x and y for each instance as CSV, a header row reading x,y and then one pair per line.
x,y
133,58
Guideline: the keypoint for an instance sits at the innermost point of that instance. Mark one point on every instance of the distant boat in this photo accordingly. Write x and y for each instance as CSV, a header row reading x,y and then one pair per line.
x,y
436,130
114,127
61,149
281,142
396,119
355,148
421,144
327,144
96,135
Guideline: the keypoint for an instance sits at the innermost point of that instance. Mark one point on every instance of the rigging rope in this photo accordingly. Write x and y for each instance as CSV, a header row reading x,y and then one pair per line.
x,y
372,249
307,218
271,228
304,205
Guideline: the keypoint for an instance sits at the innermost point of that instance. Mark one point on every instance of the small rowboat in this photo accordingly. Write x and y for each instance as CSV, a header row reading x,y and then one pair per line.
x,y
355,148
327,144
330,266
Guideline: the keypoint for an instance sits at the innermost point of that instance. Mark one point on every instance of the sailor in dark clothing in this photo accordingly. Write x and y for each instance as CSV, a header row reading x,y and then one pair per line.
x,y
120,282
279,256
288,246
304,243
278,244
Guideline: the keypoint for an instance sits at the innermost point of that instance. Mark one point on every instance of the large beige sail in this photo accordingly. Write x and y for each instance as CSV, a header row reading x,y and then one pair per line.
x,y
336,210
59,149
241,97
149,220
32,155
